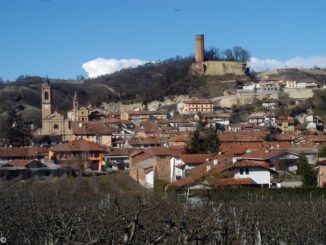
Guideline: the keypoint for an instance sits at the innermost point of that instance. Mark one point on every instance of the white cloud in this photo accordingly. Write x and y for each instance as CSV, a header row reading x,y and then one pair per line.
x,y
100,66
296,62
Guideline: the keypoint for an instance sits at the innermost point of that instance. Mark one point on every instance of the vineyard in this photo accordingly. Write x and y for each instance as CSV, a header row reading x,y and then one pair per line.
x,y
113,210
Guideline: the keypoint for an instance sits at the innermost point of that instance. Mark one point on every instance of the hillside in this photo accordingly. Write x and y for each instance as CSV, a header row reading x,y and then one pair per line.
x,y
143,84
152,81
318,75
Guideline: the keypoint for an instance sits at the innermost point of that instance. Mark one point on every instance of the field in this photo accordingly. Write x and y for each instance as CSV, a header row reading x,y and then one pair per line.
x,y
114,210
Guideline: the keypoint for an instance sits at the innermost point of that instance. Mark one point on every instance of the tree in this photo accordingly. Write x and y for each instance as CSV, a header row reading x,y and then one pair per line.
x,y
212,54
14,128
241,54
228,54
204,139
306,171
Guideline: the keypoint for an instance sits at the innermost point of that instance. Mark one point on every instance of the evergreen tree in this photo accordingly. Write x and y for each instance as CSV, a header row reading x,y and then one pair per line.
x,y
15,127
204,139
309,178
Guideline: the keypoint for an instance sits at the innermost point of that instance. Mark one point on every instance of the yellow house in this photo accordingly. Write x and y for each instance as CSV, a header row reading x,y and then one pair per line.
x,y
285,124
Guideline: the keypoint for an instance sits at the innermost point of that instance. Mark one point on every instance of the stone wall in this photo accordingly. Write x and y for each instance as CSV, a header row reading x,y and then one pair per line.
x,y
220,68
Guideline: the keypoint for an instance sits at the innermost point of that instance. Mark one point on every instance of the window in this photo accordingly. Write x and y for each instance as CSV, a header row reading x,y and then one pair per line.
x,y
46,95
241,171
55,126
247,170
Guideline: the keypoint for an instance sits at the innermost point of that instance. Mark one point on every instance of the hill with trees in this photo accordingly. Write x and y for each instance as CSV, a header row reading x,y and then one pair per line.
x,y
152,81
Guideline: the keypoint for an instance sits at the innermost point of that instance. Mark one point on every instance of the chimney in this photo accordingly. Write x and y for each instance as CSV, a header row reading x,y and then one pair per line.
x,y
199,46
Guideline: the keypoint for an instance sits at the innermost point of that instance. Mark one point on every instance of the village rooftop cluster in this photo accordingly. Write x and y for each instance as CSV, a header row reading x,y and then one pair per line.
x,y
150,146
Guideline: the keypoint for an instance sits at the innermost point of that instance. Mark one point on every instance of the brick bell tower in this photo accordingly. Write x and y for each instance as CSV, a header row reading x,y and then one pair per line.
x,y
46,100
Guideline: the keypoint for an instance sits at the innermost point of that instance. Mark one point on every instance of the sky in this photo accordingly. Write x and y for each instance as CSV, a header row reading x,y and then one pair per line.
x,y
66,38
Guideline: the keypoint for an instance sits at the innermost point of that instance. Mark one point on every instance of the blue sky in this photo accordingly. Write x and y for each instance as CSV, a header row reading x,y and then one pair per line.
x,y
55,37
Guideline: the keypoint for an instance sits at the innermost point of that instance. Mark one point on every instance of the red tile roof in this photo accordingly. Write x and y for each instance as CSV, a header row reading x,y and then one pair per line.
x,y
19,162
146,141
80,145
18,152
92,128
120,151
241,137
285,137
250,163
262,154
317,138
198,102
241,148
199,174
215,115
235,182
196,158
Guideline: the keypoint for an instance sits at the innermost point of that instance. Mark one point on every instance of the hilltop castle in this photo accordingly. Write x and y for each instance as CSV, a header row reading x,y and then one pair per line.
x,y
56,123
214,67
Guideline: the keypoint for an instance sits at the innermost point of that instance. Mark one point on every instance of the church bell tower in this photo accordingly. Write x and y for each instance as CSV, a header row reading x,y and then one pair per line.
x,y
46,100
75,107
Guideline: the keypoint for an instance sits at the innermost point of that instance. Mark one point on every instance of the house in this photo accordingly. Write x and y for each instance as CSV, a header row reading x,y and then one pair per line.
x,y
146,142
307,83
269,103
24,153
234,127
98,132
290,84
215,118
285,124
269,86
317,138
257,119
27,169
79,154
195,106
158,159
145,173
118,158
96,115
243,86
181,164
262,119
313,122
143,116
238,149
257,171
240,173
242,137
279,160
179,140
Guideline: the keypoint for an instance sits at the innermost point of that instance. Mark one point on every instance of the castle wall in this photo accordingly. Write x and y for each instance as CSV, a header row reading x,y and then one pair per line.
x,y
218,68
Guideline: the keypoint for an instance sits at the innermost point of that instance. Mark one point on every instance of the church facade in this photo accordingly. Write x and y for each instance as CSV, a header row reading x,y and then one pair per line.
x,y
56,123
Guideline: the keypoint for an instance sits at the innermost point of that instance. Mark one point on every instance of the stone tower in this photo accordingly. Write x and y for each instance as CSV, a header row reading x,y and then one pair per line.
x,y
75,107
199,48
46,100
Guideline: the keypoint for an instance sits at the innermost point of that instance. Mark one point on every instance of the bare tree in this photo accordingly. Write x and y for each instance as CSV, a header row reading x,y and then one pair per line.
x,y
212,54
228,54
241,54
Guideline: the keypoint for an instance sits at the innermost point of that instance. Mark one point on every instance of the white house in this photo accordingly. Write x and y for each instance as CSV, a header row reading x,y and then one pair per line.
x,y
257,171
180,165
